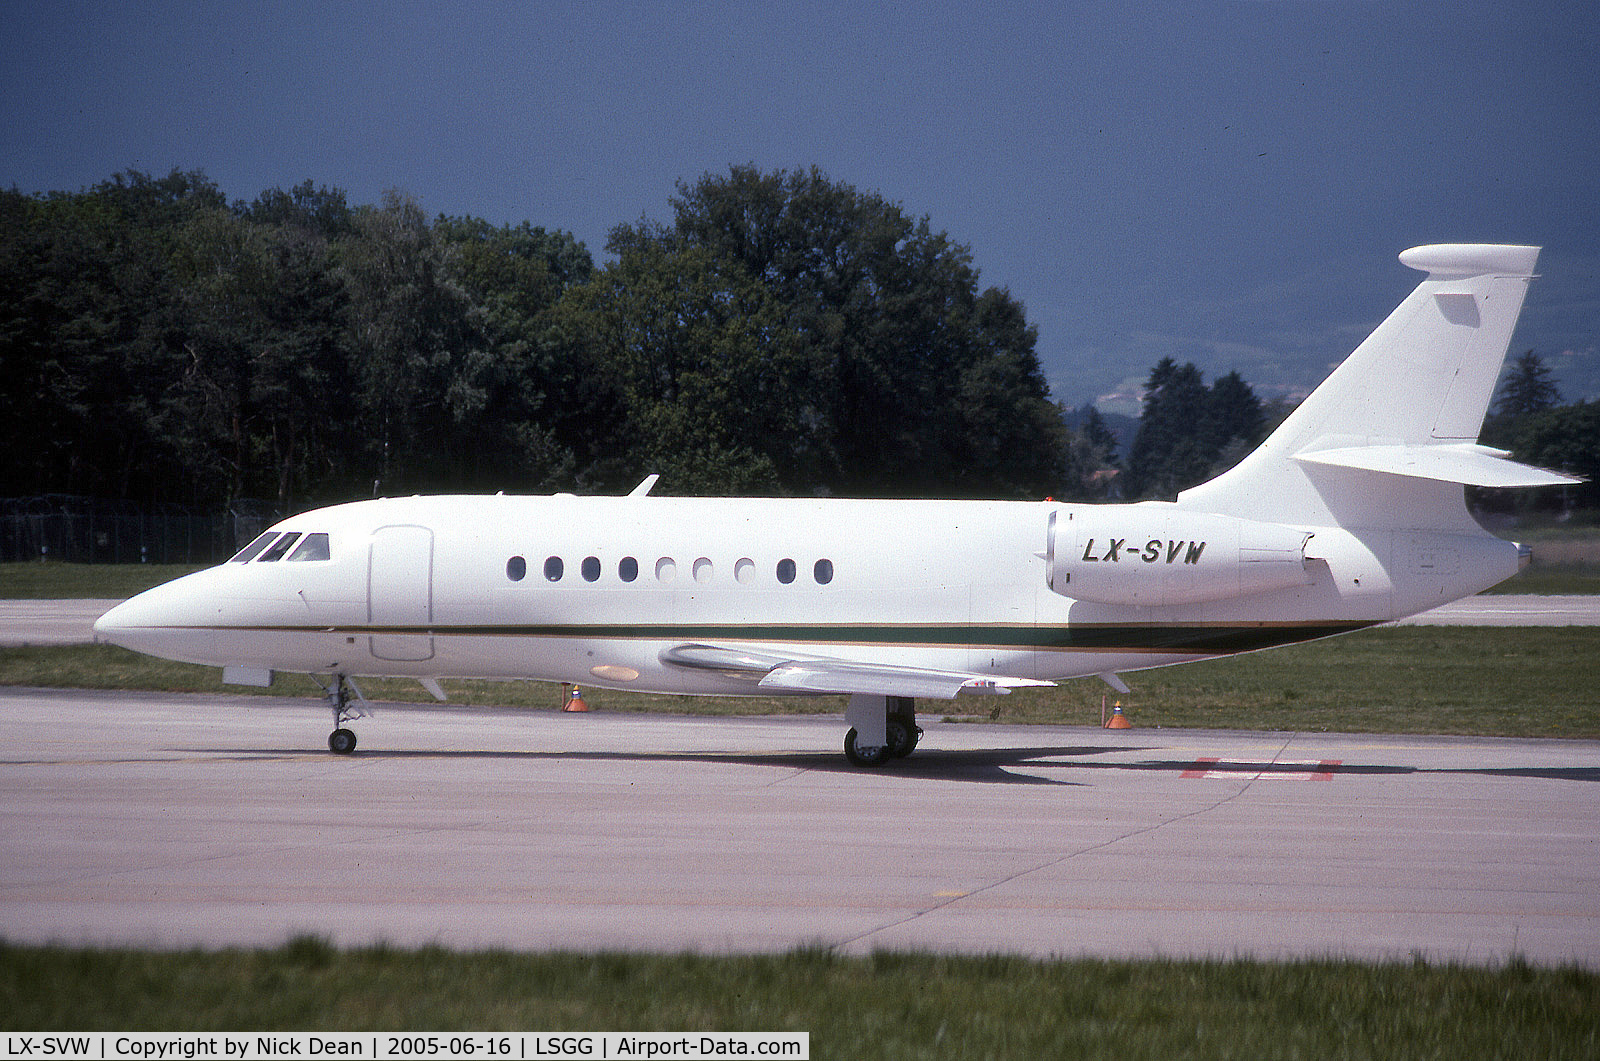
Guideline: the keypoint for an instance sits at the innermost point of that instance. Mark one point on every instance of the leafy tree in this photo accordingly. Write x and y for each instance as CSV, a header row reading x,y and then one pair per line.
x,y
303,385
914,381
514,387
29,408
1189,432
1563,438
1527,388
1097,433
785,333
1168,452
414,346
1094,458
101,358
695,358
1233,415
305,207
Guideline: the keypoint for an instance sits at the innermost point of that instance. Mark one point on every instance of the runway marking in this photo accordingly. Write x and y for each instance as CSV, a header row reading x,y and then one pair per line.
x,y
1284,770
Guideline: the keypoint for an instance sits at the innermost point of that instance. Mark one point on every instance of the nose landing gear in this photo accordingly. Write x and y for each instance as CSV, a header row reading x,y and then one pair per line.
x,y
347,704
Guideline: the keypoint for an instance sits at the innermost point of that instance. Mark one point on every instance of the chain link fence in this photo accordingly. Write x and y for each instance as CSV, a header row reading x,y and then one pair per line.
x,y
88,530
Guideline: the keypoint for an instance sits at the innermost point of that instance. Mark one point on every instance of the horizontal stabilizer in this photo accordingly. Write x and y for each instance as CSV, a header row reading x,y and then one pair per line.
x,y
1466,463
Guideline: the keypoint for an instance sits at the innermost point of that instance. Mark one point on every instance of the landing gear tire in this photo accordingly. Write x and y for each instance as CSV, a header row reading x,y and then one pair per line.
x,y
347,705
860,755
903,735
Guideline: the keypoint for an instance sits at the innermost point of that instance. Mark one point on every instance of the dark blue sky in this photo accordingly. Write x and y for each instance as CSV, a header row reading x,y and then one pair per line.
x,y
1227,183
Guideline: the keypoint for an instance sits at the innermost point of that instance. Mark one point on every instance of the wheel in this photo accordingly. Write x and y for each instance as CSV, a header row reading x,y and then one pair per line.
x,y
341,742
903,735
865,755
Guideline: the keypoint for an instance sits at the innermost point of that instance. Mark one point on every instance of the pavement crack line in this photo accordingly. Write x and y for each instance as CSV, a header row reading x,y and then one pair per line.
x,y
1131,834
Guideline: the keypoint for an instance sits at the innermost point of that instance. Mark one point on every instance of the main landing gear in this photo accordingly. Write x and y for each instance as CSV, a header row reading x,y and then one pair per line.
x,y
881,728
347,704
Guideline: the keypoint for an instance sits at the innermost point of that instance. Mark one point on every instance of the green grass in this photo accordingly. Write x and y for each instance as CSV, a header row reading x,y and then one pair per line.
x,y
1483,681
1480,681
109,667
888,1005
36,581
1553,579
1566,558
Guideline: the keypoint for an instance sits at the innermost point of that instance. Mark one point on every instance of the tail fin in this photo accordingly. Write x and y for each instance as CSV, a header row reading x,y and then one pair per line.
x,y
1390,436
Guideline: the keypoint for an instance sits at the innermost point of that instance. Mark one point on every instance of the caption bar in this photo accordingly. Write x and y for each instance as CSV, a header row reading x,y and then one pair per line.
x,y
590,1046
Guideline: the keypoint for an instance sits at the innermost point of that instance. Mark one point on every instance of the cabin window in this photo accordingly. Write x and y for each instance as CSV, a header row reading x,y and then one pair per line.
x,y
666,569
314,547
702,570
628,569
251,551
591,568
516,569
553,569
279,547
744,572
823,572
786,571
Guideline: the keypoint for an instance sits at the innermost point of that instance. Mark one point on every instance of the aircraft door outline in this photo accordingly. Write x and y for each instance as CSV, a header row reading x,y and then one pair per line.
x,y
400,593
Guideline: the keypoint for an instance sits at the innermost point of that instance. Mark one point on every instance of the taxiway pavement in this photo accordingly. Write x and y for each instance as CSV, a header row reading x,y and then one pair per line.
x,y
168,821
50,622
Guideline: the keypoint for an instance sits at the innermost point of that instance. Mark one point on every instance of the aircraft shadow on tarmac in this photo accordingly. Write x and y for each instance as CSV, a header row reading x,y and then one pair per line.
x,y
973,766
985,766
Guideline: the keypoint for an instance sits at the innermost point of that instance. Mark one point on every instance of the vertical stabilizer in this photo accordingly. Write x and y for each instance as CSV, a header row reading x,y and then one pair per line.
x,y
1389,437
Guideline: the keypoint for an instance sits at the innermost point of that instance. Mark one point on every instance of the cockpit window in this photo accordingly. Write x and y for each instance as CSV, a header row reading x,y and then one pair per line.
x,y
314,547
279,547
251,551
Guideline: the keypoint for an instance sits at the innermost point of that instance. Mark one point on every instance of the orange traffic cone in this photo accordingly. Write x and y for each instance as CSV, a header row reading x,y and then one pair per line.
x,y
575,701
1118,720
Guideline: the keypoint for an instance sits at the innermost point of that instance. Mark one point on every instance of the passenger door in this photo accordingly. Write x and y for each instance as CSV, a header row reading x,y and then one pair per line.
x,y
400,593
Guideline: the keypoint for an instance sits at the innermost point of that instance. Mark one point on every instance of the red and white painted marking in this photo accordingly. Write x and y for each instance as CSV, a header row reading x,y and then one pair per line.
x,y
1280,770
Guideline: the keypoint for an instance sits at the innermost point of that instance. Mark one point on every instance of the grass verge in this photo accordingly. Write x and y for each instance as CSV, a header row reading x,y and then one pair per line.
x,y
888,1005
1478,681
1553,580
36,581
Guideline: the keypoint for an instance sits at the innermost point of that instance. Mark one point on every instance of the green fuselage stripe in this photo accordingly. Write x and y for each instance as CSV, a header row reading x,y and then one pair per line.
x,y
1198,638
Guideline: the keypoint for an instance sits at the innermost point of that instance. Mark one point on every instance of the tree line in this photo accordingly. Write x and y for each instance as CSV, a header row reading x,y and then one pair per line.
x,y
1530,420
784,333
1189,432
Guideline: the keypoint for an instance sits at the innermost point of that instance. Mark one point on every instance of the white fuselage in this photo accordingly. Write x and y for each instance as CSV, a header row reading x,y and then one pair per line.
x,y
597,589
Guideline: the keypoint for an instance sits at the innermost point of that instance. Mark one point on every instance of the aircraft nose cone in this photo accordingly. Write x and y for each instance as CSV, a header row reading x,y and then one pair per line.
x,y
119,619
107,623
130,624
167,621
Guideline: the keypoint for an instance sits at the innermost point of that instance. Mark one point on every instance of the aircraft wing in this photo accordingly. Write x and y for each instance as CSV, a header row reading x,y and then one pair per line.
x,y
821,675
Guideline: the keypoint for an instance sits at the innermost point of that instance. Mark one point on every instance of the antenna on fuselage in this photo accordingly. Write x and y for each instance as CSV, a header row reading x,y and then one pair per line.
x,y
644,486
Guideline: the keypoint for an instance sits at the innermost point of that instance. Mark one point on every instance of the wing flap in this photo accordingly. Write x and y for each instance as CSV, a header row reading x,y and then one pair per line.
x,y
840,676
731,662
820,675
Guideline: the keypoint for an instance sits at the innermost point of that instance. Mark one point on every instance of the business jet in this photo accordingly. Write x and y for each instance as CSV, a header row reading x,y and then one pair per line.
x,y
1350,514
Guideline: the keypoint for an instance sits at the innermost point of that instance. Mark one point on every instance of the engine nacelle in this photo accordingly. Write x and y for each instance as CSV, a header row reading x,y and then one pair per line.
x,y
1155,554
